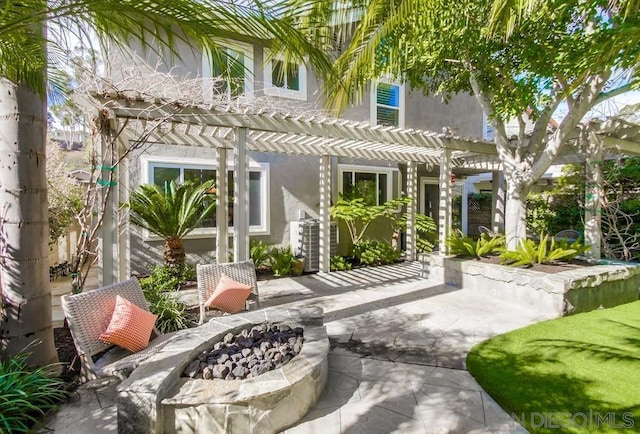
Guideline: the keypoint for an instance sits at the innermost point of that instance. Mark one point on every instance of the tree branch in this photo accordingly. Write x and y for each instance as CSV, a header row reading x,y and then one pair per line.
x,y
603,96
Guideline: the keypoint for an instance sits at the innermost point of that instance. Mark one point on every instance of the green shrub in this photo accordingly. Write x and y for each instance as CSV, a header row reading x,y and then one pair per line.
x,y
281,260
530,253
466,246
339,263
171,278
371,252
157,289
259,253
26,394
171,312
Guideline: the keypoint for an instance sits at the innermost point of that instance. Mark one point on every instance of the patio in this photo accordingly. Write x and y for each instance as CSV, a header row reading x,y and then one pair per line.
x,y
397,362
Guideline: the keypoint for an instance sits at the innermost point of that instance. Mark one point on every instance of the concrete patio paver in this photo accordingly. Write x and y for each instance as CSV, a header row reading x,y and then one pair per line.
x,y
397,361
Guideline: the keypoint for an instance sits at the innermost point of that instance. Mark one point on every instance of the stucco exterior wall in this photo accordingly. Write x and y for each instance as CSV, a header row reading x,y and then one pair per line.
x,y
293,180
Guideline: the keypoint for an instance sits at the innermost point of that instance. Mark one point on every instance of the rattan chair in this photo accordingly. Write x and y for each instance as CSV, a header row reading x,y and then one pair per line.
x,y
88,315
486,230
570,235
209,275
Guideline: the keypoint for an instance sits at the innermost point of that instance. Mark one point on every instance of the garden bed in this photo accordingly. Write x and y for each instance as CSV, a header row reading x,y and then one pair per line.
x,y
577,288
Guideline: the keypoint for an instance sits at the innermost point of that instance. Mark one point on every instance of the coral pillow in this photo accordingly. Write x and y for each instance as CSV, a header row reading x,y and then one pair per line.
x,y
229,295
130,326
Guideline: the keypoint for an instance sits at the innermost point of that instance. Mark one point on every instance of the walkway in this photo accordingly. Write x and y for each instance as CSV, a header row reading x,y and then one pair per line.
x,y
399,343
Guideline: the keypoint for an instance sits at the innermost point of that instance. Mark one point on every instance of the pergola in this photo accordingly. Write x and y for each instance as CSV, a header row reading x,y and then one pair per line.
x,y
239,130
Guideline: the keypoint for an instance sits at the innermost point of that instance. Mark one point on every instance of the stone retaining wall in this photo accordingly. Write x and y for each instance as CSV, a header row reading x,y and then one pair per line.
x,y
156,399
568,292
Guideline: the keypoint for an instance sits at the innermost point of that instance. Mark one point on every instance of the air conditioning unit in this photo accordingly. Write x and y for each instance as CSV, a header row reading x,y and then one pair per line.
x,y
305,241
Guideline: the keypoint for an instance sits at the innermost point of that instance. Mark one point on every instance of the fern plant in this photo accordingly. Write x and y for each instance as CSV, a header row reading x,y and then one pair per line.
x,y
529,253
466,246
580,248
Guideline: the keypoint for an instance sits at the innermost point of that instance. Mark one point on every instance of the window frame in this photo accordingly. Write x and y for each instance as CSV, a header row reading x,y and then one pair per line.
x,y
270,89
249,76
374,102
149,162
378,170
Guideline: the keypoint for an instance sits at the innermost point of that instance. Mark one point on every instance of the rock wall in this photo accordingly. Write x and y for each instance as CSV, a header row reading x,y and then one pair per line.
x,y
568,292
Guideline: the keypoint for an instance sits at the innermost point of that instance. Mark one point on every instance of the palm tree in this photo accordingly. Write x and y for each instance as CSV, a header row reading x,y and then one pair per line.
x,y
171,212
28,29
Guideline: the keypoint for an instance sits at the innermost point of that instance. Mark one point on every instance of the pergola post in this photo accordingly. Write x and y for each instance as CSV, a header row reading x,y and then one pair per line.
x,y
444,208
325,220
498,196
222,208
107,184
412,209
241,197
593,195
124,240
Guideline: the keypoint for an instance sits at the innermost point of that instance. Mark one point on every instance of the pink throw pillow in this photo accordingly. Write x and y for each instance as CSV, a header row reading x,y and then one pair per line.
x,y
229,295
130,326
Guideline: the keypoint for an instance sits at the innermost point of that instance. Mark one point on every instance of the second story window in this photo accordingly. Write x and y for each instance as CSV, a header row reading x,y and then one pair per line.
x,y
388,104
285,79
232,73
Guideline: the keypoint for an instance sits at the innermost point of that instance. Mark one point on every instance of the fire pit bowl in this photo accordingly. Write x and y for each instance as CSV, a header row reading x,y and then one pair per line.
x,y
157,398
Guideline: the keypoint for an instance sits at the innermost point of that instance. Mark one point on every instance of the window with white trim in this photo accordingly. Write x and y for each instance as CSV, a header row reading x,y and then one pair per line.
x,y
160,172
235,71
387,104
374,185
285,79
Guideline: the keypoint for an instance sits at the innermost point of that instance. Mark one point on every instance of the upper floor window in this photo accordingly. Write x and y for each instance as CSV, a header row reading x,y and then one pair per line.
x,y
375,185
163,170
387,104
234,70
285,79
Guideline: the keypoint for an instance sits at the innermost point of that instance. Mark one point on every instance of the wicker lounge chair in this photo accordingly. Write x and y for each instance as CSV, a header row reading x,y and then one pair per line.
x,y
209,275
486,230
570,235
89,314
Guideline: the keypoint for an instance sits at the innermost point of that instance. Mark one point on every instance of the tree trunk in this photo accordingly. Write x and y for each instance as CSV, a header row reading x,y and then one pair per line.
x,y
174,255
25,313
516,212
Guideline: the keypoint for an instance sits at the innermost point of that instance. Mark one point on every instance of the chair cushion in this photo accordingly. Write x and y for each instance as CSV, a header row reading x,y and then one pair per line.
x,y
130,326
229,295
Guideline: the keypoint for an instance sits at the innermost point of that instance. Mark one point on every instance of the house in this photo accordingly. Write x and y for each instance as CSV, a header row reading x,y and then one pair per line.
x,y
283,187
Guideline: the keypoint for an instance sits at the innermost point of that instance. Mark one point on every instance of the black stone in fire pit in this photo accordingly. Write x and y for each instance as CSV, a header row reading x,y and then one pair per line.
x,y
248,354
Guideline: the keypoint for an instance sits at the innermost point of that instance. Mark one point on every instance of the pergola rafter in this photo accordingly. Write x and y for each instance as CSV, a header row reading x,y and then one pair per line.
x,y
241,129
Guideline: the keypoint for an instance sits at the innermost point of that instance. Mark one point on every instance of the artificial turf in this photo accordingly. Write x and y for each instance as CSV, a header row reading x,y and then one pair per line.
x,y
575,374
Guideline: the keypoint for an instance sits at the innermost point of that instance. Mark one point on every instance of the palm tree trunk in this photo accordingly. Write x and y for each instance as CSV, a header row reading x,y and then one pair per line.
x,y
174,255
25,312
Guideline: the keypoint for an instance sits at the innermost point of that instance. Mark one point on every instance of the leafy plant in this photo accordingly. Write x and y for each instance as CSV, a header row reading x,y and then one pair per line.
x,y
171,313
358,215
339,263
372,252
26,394
426,230
466,246
167,279
158,289
580,248
281,260
259,253
530,253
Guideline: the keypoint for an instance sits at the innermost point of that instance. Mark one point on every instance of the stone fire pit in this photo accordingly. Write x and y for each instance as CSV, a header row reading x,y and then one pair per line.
x,y
156,398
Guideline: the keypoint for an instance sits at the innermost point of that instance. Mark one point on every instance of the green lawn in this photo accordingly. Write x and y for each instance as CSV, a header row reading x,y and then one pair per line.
x,y
572,374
